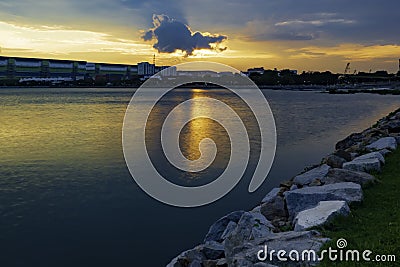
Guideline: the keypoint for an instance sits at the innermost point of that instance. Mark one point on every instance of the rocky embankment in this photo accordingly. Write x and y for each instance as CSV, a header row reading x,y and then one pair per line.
x,y
283,219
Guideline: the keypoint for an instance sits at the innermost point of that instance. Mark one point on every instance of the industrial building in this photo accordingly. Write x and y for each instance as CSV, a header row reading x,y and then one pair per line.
x,y
24,69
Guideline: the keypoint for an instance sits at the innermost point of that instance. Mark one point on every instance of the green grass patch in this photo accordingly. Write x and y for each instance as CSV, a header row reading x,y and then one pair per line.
x,y
375,223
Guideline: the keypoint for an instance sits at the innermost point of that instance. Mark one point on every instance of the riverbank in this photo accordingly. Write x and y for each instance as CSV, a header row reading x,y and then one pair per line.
x,y
375,224
378,87
378,91
287,217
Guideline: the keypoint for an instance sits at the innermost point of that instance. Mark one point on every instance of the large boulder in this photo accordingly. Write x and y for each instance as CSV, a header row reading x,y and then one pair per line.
x,y
247,254
343,154
273,206
251,226
212,250
229,228
371,155
271,195
324,212
189,257
311,175
349,141
386,142
392,126
366,163
335,161
218,228
308,197
341,175
363,165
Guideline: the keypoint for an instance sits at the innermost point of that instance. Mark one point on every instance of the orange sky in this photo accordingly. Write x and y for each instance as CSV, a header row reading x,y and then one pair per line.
x,y
253,43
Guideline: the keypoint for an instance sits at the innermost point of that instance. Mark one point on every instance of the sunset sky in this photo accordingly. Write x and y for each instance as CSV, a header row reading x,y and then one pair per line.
x,y
303,35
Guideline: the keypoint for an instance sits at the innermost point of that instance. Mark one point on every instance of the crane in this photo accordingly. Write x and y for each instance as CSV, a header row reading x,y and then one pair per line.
x,y
346,70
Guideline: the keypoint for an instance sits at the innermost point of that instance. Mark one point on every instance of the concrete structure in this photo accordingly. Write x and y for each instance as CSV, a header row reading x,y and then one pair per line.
x,y
146,69
37,69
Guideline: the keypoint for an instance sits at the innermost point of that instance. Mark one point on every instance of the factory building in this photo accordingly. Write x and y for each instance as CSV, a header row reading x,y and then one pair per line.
x,y
146,69
15,68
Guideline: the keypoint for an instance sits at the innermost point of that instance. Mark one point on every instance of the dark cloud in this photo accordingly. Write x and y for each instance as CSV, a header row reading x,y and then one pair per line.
x,y
171,35
320,21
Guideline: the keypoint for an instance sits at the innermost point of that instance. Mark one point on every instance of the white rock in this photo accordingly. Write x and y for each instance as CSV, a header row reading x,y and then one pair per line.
x,y
311,175
363,165
309,197
386,142
371,155
341,175
321,214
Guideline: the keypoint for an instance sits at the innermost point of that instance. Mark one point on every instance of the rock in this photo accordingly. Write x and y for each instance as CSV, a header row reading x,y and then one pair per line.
x,y
287,241
343,175
256,209
316,182
368,163
386,142
392,126
334,161
187,257
286,184
271,195
274,209
293,187
371,155
251,226
356,148
263,264
308,197
241,262
261,226
374,132
229,228
195,263
384,152
215,263
311,175
321,214
222,262
343,154
353,156
213,250
302,241
349,141
365,165
209,263
217,229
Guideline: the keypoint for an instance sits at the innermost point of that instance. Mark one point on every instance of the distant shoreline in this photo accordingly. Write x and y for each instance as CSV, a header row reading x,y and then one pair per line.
x,y
374,88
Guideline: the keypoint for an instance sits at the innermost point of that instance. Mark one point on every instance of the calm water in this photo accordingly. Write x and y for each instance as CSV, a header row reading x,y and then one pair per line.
x,y
67,198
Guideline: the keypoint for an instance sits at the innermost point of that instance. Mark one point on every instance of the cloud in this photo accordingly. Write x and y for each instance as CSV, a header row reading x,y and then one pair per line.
x,y
171,35
354,52
319,22
260,30
311,27
57,40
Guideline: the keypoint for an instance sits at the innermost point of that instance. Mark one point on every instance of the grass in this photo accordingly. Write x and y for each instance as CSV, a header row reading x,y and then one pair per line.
x,y
375,223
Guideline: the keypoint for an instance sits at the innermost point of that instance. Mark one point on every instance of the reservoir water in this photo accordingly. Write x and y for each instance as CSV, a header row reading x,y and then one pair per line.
x,y
67,197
